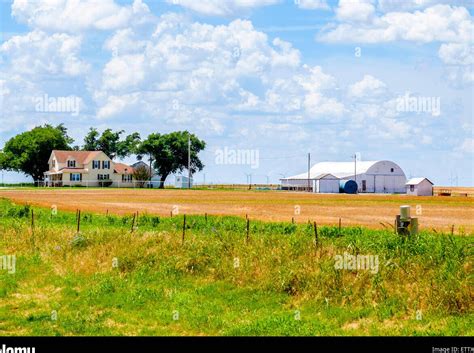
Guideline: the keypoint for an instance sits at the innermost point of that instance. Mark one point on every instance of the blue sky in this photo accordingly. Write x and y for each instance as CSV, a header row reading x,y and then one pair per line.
x,y
283,78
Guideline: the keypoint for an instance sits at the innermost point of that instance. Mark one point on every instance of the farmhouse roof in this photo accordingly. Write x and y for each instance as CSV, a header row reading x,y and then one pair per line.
x,y
416,181
122,168
81,157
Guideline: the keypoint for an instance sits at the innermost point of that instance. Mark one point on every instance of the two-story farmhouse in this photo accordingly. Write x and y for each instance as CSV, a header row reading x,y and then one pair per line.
x,y
86,168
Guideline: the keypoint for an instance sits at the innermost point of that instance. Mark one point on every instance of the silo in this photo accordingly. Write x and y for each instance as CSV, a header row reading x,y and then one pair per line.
x,y
348,187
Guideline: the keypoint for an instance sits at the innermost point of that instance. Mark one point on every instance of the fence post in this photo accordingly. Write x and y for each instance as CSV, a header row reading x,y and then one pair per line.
x,y
248,231
452,230
315,234
78,221
184,229
206,217
340,227
133,223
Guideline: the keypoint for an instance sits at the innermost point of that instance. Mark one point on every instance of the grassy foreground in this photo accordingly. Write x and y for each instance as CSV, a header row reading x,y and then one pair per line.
x,y
110,280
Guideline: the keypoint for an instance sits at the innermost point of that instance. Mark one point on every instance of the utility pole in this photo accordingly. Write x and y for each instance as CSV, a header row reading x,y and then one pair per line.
x,y
309,172
151,172
355,168
189,160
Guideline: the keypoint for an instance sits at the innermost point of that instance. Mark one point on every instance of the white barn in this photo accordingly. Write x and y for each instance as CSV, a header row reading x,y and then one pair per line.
x,y
326,183
370,176
419,187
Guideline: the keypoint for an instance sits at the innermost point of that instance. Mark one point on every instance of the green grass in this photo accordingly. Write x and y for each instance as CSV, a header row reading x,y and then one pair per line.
x,y
109,280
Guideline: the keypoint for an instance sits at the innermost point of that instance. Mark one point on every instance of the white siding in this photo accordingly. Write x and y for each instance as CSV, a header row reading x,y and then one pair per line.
x,y
424,188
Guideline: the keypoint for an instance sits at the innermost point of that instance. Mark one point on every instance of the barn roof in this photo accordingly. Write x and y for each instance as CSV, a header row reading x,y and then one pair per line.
x,y
338,169
416,181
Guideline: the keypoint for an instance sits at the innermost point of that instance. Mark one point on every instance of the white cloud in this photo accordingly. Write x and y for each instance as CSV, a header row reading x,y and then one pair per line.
x,y
355,10
437,23
457,53
312,4
368,86
221,7
37,53
73,15
450,25
467,146
216,67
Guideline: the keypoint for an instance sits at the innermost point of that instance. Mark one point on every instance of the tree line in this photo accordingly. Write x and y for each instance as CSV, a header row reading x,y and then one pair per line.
x,y
29,152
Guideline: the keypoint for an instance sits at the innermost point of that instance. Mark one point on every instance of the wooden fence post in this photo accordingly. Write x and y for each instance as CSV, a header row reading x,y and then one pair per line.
x,y
452,230
184,229
316,234
133,223
340,227
78,221
248,230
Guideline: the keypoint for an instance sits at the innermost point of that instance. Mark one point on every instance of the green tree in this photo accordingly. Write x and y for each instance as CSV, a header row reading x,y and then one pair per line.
x,y
110,143
169,152
29,151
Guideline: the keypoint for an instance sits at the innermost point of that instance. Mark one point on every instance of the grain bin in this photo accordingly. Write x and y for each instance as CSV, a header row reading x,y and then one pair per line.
x,y
348,187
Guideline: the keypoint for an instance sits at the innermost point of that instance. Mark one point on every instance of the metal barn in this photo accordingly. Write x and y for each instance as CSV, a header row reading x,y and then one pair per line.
x,y
370,176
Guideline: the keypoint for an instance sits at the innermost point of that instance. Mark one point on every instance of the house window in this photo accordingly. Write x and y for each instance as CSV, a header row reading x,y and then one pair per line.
x,y
105,164
364,185
53,163
127,178
95,164
412,188
391,169
103,176
71,164
75,177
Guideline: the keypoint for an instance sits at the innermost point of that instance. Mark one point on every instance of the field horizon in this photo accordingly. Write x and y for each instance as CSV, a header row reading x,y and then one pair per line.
x,y
376,211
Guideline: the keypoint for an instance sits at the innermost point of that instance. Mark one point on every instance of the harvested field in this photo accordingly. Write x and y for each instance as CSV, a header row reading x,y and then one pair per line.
x,y
439,213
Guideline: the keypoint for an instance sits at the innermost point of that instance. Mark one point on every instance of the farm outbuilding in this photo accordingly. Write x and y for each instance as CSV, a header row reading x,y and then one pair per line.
x,y
326,183
419,187
370,177
183,182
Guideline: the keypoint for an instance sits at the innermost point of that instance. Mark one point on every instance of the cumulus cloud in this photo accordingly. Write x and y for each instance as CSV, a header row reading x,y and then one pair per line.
x,y
72,16
467,146
226,68
312,4
355,10
437,23
368,86
450,25
37,53
220,7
